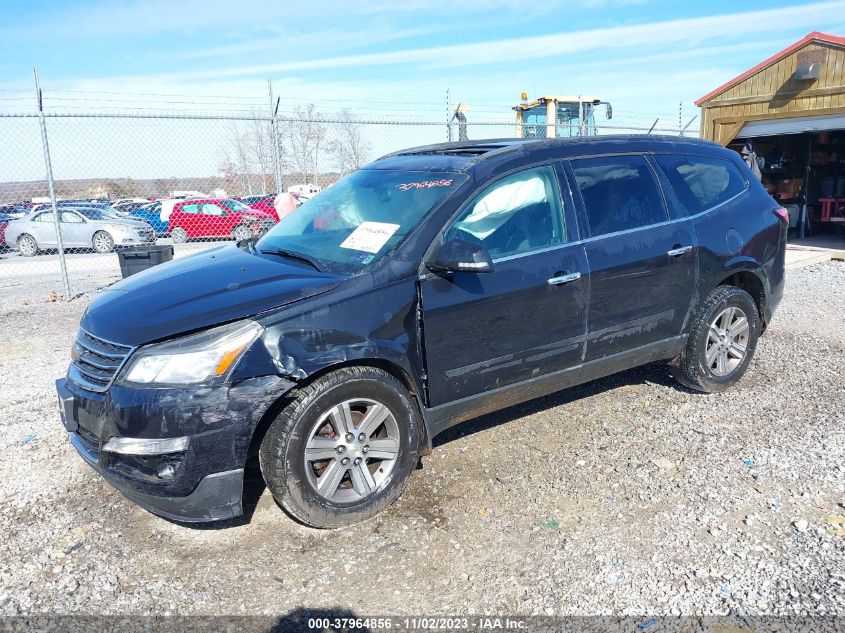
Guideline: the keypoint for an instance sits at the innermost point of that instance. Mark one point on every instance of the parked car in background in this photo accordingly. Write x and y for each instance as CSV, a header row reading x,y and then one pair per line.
x,y
127,206
4,221
151,214
217,217
122,201
265,203
70,204
305,189
14,210
251,200
82,227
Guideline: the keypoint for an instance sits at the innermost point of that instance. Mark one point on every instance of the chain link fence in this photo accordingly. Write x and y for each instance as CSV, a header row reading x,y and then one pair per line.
x,y
187,181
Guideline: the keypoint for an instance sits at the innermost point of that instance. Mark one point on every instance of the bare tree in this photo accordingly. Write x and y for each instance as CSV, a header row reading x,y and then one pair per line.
x,y
261,136
348,146
229,172
242,149
305,139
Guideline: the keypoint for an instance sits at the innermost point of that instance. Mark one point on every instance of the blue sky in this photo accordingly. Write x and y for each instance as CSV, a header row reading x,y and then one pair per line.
x,y
391,58
644,55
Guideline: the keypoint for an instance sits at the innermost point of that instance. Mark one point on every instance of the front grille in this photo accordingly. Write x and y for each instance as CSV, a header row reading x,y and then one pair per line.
x,y
96,361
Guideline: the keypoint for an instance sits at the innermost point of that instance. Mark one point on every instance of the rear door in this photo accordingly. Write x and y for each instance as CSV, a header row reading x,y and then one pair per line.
x,y
188,217
642,259
525,319
43,229
216,221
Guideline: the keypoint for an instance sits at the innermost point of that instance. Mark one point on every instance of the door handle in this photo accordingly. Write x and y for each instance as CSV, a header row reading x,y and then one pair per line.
x,y
683,250
564,279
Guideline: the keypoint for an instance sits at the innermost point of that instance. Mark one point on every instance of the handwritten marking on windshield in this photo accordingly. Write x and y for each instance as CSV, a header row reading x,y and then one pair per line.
x,y
425,184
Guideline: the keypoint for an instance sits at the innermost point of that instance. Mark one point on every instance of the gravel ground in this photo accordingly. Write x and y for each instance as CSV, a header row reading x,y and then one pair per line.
x,y
629,495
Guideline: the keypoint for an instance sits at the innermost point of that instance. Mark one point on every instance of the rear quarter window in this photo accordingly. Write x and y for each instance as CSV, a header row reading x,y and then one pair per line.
x,y
702,182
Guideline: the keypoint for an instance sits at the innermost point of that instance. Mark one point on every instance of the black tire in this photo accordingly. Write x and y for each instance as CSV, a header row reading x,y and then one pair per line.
x,y
691,367
282,452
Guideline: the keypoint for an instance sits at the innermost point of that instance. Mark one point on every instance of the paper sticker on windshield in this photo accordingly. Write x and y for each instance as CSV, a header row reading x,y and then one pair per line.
x,y
370,236
426,184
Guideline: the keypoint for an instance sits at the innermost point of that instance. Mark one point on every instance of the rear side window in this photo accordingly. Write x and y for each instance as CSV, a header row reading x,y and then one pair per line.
x,y
702,182
619,193
190,208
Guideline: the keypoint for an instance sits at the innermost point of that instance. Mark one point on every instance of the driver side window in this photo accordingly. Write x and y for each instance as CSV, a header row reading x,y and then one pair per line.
x,y
517,214
70,218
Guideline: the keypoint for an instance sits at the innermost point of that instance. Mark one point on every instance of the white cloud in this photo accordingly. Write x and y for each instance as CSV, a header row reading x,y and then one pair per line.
x,y
666,36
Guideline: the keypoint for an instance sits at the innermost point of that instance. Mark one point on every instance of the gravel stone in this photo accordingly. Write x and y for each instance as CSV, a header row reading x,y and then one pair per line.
x,y
630,475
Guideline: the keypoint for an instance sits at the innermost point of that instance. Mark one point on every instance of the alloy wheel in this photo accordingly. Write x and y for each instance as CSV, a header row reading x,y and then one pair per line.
x,y
179,235
727,341
27,246
103,243
351,450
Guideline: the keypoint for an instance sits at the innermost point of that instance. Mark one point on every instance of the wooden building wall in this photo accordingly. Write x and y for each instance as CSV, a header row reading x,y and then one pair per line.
x,y
774,93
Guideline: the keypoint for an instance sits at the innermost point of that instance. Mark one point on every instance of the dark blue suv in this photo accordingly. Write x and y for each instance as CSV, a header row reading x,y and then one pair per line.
x,y
435,285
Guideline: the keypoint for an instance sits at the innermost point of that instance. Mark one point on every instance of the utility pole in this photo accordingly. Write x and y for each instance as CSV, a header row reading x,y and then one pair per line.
x,y
274,128
50,188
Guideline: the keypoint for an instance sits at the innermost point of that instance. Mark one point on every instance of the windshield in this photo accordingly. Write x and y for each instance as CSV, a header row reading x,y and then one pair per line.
x,y
99,214
357,220
235,206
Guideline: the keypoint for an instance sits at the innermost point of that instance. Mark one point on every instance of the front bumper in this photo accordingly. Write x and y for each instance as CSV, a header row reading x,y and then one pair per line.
x,y
205,482
217,496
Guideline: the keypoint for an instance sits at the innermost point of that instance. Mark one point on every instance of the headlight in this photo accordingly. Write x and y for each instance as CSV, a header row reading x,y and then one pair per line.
x,y
192,359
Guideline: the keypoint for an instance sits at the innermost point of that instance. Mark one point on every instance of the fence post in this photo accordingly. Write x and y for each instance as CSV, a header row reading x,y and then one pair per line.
x,y
50,188
274,127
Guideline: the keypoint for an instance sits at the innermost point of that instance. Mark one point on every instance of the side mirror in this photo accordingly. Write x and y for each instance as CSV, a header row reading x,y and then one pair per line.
x,y
458,255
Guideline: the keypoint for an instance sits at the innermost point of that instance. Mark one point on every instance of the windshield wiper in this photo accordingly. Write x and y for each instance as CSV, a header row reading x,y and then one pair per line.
x,y
280,252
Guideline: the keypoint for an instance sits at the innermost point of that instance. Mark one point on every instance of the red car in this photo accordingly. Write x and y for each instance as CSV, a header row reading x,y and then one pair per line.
x,y
4,222
265,204
216,217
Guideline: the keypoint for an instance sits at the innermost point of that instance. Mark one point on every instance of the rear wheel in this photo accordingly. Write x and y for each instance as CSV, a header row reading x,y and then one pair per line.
x,y
179,235
241,233
27,246
721,342
343,448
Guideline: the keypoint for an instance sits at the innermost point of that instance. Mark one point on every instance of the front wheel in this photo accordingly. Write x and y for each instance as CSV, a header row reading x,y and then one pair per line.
x,y
102,242
343,448
721,341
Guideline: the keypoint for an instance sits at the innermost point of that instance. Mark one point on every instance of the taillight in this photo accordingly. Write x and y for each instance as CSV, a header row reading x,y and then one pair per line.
x,y
783,214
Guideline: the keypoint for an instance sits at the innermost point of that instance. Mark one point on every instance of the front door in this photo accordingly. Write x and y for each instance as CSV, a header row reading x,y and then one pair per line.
x,y
75,231
527,318
642,260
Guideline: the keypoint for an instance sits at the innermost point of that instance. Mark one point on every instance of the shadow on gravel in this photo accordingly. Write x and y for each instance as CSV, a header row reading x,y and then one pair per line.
x,y
318,621
253,489
655,373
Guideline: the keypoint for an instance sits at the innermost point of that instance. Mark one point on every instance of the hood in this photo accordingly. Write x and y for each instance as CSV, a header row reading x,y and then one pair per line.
x,y
215,286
